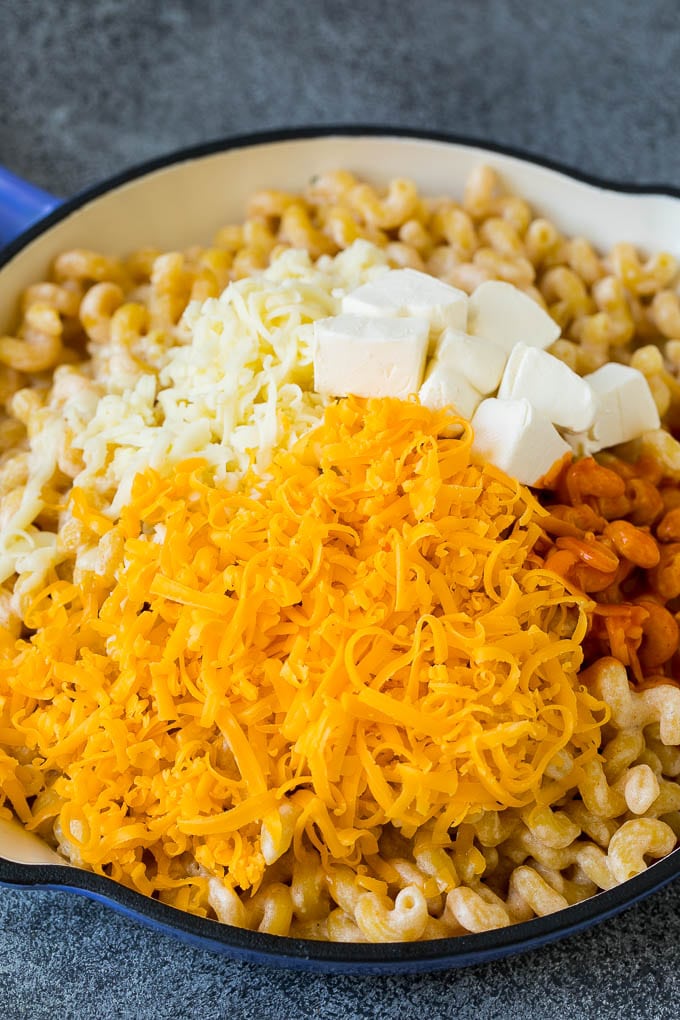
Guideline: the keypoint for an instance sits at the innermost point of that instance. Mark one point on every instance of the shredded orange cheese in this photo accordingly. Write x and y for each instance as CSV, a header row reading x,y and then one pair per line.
x,y
365,638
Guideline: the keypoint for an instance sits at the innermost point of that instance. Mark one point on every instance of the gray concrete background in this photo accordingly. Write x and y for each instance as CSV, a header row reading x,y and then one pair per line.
x,y
88,88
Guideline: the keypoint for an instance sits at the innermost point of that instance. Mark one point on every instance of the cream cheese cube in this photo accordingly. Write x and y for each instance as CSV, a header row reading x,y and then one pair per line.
x,y
517,438
551,386
406,292
444,387
481,361
624,407
501,312
369,357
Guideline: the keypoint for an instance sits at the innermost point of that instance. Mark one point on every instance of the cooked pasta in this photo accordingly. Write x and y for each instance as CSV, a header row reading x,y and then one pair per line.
x,y
311,666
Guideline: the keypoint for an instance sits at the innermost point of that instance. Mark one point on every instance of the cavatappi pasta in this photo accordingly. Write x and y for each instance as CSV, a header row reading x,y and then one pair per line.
x,y
263,665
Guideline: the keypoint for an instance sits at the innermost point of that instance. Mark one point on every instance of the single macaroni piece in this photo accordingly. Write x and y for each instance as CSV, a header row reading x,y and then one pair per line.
x,y
500,235
529,894
598,796
454,226
476,910
640,789
543,242
388,213
593,862
482,191
407,873
436,862
344,889
516,270
381,921
309,891
631,709
553,828
566,295
226,904
635,840
342,928
271,909
97,309
664,312
621,751
468,860
277,831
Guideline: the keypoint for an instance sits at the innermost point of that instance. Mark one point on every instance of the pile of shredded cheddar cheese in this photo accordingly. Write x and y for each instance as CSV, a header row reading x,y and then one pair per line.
x,y
363,637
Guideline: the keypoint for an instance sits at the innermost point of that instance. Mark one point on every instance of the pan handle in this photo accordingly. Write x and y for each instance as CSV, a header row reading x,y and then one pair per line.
x,y
21,204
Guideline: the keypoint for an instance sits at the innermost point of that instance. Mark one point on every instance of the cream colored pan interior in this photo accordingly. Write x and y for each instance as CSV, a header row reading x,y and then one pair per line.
x,y
185,202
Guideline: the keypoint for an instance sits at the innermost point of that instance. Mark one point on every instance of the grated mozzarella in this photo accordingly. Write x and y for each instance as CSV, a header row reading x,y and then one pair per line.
x,y
235,384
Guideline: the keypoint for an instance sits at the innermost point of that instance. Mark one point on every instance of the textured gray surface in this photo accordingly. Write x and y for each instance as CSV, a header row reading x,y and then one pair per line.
x,y
68,958
89,88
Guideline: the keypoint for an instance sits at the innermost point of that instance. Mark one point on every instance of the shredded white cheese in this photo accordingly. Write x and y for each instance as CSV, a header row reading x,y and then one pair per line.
x,y
235,385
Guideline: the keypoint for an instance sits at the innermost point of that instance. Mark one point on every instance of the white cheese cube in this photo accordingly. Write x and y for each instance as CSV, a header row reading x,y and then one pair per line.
x,y
519,440
369,357
550,385
624,406
481,361
444,387
501,312
405,292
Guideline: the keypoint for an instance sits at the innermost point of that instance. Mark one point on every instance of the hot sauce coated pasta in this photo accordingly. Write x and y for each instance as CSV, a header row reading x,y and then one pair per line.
x,y
237,798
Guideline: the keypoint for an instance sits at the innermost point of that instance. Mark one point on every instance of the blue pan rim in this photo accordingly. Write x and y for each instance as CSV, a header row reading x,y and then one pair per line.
x,y
256,947
332,957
